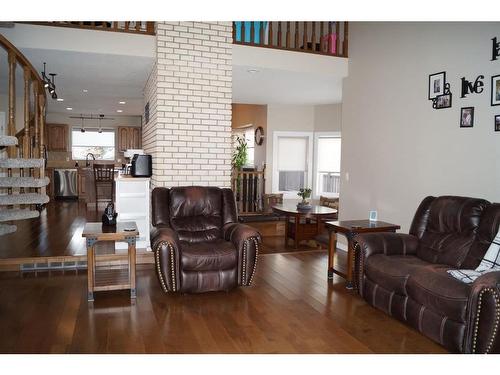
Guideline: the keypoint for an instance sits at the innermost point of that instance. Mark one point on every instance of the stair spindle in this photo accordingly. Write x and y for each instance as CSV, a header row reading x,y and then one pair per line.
x,y
252,32
12,101
345,40
271,41
337,39
313,36
296,45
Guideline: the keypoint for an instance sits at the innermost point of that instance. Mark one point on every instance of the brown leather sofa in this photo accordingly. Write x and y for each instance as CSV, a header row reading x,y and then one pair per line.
x,y
405,274
198,243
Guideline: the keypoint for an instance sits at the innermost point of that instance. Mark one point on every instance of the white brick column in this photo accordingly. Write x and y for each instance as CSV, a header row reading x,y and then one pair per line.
x,y
189,132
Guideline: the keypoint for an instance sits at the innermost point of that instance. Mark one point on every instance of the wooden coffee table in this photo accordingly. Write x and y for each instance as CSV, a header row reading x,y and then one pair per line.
x,y
299,230
107,278
350,228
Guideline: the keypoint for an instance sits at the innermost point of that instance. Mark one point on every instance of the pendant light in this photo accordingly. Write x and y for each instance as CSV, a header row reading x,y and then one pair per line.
x,y
83,127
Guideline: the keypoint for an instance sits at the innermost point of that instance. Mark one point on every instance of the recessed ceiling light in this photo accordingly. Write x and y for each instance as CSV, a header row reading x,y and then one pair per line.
x,y
85,90
69,108
119,110
252,71
122,102
60,99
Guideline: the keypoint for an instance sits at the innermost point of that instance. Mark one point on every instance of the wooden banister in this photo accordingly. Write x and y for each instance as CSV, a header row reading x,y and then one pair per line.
x,y
249,188
320,37
115,26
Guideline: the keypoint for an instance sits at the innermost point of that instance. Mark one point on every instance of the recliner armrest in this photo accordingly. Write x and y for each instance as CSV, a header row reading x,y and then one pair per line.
x,y
484,315
387,243
167,251
246,240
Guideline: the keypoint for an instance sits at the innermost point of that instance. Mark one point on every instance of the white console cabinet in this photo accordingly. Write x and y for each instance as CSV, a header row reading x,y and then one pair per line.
x,y
133,204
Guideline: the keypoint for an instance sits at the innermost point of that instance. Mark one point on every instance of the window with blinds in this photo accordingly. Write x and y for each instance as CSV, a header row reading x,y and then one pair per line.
x,y
292,163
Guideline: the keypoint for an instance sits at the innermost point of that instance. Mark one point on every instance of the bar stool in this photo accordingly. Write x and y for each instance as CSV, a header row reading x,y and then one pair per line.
x,y
104,177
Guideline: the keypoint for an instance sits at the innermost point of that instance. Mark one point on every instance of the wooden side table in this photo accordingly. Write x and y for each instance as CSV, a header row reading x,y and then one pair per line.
x,y
350,228
105,278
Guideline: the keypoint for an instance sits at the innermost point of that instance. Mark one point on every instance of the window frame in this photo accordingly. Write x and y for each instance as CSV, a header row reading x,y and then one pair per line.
x,y
108,130
317,136
309,161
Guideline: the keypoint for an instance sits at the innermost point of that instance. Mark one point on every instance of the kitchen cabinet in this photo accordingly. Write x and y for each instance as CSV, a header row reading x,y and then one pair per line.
x,y
57,137
128,137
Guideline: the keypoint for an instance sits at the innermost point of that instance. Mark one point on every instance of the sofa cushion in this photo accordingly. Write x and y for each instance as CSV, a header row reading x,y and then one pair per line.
x,y
392,271
435,289
451,226
208,256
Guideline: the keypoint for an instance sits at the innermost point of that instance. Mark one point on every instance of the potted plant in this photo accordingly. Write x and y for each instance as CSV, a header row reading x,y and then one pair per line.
x,y
304,193
239,159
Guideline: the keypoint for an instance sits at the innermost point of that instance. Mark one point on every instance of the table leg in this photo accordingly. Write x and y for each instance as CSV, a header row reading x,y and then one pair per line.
x,y
350,261
332,248
287,230
296,237
90,270
131,270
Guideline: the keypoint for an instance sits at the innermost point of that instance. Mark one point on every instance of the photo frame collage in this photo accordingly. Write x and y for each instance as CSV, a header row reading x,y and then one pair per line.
x,y
440,95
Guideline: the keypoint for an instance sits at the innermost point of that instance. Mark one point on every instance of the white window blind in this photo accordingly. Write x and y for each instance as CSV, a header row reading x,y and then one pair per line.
x,y
102,145
292,163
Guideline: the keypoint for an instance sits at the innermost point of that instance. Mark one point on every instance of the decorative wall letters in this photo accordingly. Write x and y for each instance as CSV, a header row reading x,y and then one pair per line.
x,y
495,50
469,88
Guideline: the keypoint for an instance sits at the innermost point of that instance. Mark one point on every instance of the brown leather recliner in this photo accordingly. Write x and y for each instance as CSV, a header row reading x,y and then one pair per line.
x,y
405,274
198,243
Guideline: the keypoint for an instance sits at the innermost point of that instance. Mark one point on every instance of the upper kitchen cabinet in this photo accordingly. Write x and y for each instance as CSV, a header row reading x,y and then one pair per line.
x,y
57,137
129,137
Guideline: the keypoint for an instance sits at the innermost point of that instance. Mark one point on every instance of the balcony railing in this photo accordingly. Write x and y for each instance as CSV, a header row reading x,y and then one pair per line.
x,y
136,27
324,38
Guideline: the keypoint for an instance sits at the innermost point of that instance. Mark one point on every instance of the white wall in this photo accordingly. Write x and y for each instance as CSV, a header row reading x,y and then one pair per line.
x,y
328,117
305,118
395,147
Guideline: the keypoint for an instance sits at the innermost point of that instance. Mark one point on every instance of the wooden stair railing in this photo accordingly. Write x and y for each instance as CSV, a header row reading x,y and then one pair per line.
x,y
319,37
25,182
249,189
135,27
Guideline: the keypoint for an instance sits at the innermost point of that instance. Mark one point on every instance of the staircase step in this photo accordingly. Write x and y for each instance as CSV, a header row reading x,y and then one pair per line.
x,y
6,229
28,198
6,182
22,163
8,215
6,140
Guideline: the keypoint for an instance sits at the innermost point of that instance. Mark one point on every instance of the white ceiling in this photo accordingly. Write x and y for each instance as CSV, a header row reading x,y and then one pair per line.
x,y
273,86
108,79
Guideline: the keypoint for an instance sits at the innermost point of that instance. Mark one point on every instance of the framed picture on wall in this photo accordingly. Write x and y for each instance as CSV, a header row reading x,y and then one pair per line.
x,y
467,117
495,90
497,123
442,101
437,82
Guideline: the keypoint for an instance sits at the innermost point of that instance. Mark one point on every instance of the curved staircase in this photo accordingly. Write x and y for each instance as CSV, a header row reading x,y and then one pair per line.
x,y
12,203
22,166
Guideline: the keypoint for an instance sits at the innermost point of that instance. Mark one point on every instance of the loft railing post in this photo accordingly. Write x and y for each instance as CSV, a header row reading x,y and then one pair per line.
x,y
304,39
280,41
234,32
252,32
288,35
329,39
296,35
313,36
150,27
243,32
345,41
261,38
337,39
271,41
12,101
321,37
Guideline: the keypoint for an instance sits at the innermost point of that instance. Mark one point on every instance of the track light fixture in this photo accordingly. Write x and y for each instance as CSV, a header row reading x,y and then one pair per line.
x,y
49,83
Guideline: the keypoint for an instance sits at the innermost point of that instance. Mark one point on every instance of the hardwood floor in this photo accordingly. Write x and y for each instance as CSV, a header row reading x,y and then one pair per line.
x,y
291,308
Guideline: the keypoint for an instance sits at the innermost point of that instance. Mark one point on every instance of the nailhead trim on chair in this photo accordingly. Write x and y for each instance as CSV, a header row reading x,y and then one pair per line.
x,y
172,268
256,243
497,319
243,265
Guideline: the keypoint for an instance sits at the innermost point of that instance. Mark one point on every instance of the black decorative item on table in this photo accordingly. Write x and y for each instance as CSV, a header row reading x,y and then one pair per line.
x,y
109,215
